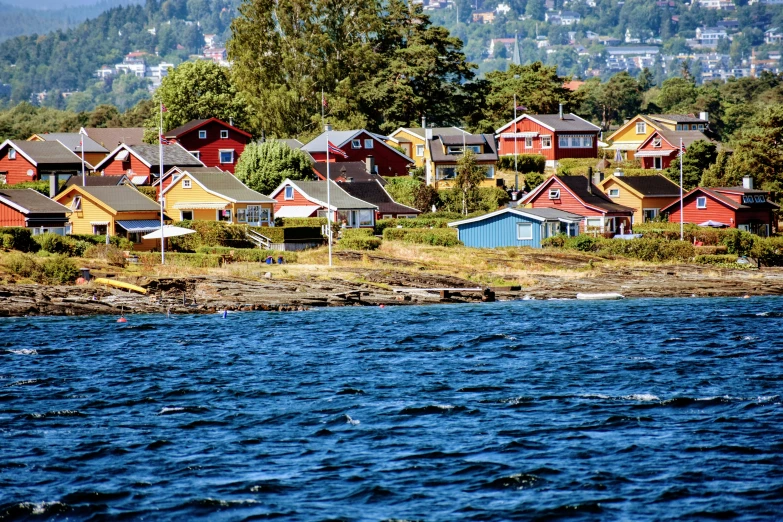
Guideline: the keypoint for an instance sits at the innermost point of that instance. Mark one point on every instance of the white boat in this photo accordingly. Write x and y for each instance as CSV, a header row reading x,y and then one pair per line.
x,y
602,297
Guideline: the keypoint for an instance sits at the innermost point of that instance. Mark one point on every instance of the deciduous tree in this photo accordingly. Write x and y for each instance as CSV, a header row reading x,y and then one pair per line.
x,y
262,167
468,179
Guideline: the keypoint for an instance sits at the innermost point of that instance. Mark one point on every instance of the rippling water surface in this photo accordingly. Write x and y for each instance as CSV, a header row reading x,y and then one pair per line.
x,y
632,410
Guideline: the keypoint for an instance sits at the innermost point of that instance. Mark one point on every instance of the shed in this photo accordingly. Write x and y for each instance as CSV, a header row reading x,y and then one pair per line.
x,y
514,227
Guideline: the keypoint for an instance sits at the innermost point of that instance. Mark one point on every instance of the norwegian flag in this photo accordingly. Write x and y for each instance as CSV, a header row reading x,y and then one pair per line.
x,y
336,150
323,101
165,141
163,108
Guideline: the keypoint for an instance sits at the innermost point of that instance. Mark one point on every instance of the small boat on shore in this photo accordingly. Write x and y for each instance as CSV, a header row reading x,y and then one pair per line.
x,y
600,297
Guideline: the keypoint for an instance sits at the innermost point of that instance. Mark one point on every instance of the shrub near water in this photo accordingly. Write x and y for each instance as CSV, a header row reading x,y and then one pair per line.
x,y
18,238
23,265
60,270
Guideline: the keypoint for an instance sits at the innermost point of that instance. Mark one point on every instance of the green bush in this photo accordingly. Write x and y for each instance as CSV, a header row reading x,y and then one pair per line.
x,y
422,221
23,265
60,269
120,242
150,192
359,242
210,233
249,255
292,222
557,241
182,259
38,186
52,243
18,238
426,236
403,189
655,250
356,232
738,241
110,253
716,259
582,242
525,163
768,251
533,179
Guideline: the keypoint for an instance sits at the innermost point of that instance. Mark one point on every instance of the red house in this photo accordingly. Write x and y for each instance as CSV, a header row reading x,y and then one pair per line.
x,y
578,195
310,198
554,136
29,208
737,207
358,145
142,162
22,161
214,142
660,148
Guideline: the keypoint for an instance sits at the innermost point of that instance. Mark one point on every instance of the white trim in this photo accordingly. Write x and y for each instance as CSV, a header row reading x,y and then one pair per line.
x,y
220,159
187,184
701,207
121,146
616,191
204,131
287,182
17,149
222,131
531,118
562,185
653,153
517,212
208,191
15,206
182,217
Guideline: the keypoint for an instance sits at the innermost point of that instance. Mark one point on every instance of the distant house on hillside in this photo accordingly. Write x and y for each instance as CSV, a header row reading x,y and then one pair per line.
x,y
445,150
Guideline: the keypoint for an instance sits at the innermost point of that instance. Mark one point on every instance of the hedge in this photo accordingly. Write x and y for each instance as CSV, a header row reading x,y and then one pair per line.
x,y
211,233
18,238
292,222
54,270
426,236
419,222
181,259
645,249
286,233
768,251
525,163
736,241
361,239
716,259
249,255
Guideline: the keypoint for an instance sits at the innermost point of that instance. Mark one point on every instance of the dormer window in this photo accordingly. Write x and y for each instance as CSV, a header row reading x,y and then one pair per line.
x,y
356,144
289,192
76,204
614,192
368,144
641,127
12,154
747,199
454,149
202,134
554,193
760,199
186,183
224,135
657,143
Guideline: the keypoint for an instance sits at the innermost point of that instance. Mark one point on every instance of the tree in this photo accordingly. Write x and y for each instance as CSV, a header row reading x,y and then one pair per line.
x,y
646,79
196,90
264,167
758,148
698,156
468,179
676,92
715,175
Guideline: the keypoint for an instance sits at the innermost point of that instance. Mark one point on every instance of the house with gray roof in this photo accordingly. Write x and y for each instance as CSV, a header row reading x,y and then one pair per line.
x,y
358,145
141,163
94,152
445,150
29,208
22,161
314,199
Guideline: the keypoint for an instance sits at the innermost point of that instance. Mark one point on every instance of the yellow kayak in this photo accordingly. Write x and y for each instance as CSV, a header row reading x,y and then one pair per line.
x,y
119,284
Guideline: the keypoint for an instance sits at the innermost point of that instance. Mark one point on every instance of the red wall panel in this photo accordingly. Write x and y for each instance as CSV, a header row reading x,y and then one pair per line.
x,y
16,169
210,147
388,161
10,217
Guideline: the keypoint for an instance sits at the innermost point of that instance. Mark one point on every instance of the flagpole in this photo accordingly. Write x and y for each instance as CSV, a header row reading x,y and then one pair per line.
x,y
682,217
81,135
327,128
160,188
516,171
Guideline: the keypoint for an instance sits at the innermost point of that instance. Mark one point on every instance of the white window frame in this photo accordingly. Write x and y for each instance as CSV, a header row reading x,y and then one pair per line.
x,y
356,144
656,143
369,144
406,216
253,211
641,127
419,151
600,224
76,203
613,192
223,134
563,142
182,215
241,215
546,142
12,154
365,218
220,157
196,154
701,202
528,143
202,134
554,193
521,226
288,192
217,215
387,216
454,149
186,184
657,163
655,212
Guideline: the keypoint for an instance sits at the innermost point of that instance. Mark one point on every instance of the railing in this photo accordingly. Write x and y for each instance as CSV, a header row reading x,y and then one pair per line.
x,y
259,239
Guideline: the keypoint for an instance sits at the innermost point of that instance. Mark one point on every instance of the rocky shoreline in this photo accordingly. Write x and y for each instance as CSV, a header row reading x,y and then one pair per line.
x,y
212,294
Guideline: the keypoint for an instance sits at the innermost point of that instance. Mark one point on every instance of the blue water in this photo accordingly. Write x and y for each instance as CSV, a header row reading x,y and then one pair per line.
x,y
629,410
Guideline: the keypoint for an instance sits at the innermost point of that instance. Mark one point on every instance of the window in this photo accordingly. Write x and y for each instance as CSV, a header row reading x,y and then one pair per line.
x,y
614,192
289,192
701,126
747,199
658,163
356,144
701,202
524,231
253,214
12,154
406,216
490,172
562,141
760,199
679,127
546,142
202,134
419,150
100,230
528,143
224,135
368,144
575,141
3,177
322,214
226,156
454,149
641,127
76,204
196,153
387,216
694,127
135,237
365,218
224,215
554,194
186,215
475,149
446,172
594,223
657,143
265,215
241,215
649,214
186,183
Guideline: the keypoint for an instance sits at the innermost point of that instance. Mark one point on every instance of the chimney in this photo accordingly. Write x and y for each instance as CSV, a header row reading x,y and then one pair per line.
x,y
747,182
589,185
561,111
704,116
343,171
370,165
349,180
52,185
423,122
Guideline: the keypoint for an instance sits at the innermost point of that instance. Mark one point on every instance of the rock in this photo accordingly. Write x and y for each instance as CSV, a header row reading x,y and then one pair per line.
x,y
268,275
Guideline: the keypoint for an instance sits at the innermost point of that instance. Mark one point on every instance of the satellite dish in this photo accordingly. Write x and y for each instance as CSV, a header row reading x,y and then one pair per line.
x,y
30,172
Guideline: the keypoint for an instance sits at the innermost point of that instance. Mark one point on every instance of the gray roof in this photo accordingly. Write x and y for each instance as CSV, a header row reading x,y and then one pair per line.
x,y
172,155
677,118
551,213
569,122
439,155
291,142
656,185
318,144
47,152
122,198
688,137
72,140
32,201
97,181
338,197
373,192
225,184
112,136
347,169
436,131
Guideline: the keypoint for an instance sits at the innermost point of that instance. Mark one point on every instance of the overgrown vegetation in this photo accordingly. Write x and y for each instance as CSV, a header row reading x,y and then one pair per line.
x,y
358,239
446,237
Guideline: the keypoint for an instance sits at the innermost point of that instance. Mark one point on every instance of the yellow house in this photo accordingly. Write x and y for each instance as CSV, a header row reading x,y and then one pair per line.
x,y
208,195
413,140
626,139
647,195
119,210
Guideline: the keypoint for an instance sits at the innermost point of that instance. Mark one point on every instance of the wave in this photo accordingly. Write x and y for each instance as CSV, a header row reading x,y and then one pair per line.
x,y
182,409
54,414
432,409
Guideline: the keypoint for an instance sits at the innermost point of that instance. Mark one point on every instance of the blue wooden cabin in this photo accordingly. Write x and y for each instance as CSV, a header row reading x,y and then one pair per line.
x,y
516,227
